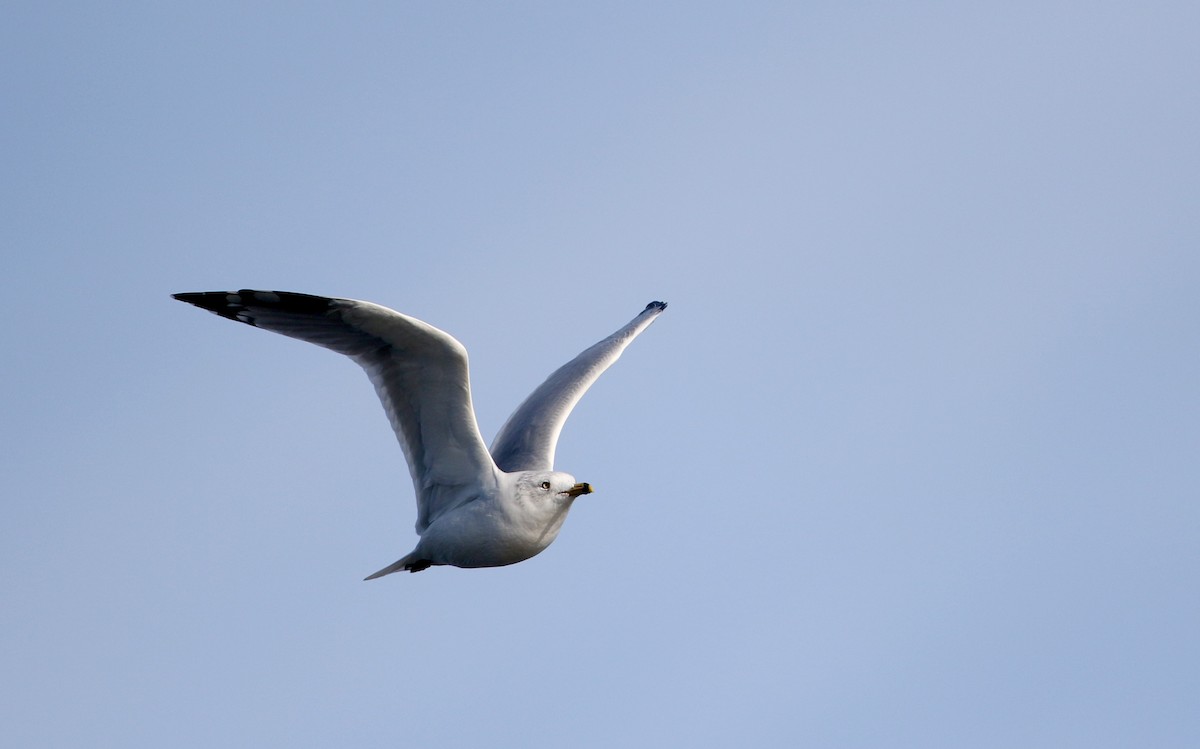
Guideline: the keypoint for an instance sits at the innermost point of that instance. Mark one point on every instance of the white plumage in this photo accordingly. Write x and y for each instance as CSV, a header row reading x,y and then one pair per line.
x,y
475,507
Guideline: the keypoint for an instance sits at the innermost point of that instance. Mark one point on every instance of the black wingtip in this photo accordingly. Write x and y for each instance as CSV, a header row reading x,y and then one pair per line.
x,y
227,304
660,306
213,301
239,305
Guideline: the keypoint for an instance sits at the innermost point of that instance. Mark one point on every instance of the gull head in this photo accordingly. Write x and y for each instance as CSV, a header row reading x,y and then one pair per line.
x,y
550,487
537,504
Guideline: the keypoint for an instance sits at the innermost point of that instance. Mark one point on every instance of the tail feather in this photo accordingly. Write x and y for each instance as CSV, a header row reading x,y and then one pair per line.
x,y
409,562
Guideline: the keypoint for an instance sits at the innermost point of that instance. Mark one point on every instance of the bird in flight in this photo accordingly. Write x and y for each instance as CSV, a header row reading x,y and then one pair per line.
x,y
475,507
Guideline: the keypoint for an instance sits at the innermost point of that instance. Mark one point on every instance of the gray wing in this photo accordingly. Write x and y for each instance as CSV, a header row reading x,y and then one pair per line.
x,y
526,441
419,372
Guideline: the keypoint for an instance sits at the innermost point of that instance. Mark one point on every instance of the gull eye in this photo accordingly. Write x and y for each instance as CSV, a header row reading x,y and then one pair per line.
x,y
545,484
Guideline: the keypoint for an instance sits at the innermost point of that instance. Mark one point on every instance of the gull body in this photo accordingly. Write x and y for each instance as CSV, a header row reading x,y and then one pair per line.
x,y
476,506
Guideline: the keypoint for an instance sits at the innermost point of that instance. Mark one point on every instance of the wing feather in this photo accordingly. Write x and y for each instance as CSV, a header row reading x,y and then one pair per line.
x,y
527,440
420,374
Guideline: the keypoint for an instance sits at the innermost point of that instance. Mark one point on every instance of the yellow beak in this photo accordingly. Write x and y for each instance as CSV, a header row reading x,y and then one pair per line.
x,y
578,489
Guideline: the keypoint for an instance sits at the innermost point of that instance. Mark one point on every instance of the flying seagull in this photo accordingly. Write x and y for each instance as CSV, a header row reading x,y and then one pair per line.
x,y
475,507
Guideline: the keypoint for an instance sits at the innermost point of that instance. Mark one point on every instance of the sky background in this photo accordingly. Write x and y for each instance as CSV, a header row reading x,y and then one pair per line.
x,y
911,460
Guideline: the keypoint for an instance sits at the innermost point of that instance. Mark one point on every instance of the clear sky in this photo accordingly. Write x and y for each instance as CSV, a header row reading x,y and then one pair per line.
x,y
911,460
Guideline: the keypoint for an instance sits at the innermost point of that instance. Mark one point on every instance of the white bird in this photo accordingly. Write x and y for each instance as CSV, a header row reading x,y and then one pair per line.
x,y
475,507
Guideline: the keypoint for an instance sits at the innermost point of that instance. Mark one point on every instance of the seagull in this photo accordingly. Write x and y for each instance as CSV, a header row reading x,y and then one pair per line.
x,y
475,507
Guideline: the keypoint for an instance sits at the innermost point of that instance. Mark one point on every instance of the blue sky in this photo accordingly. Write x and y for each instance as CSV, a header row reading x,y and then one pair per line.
x,y
910,461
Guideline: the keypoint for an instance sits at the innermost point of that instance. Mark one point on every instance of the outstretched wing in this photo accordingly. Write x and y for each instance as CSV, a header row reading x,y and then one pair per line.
x,y
419,372
526,441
